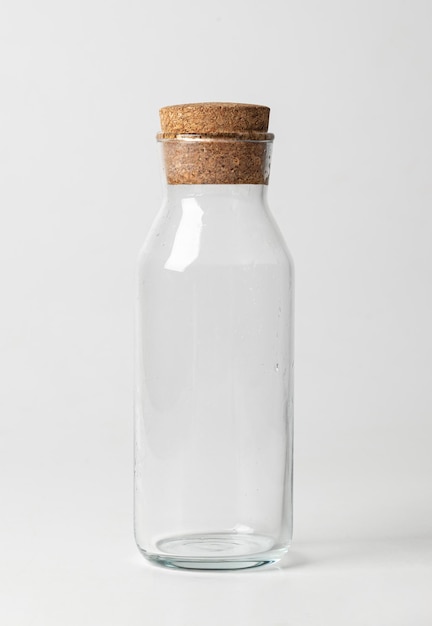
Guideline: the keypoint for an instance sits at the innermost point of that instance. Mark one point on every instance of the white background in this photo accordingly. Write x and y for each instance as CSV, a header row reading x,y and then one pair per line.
x,y
350,88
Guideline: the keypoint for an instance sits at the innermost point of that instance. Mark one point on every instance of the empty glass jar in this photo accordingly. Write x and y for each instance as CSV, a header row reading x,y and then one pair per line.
x,y
214,373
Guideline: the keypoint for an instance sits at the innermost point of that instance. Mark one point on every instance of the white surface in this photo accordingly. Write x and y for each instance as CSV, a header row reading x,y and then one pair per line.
x,y
349,84
358,583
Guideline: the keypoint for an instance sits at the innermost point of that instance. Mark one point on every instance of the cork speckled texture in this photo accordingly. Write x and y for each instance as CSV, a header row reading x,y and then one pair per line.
x,y
214,117
216,143
218,162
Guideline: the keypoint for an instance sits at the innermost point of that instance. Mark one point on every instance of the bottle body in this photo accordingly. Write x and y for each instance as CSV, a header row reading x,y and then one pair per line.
x,y
214,383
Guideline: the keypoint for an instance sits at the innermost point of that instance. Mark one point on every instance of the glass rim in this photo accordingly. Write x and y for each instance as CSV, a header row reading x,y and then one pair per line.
x,y
248,137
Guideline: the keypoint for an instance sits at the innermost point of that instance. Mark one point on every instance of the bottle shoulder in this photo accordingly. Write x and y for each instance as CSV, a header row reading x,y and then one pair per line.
x,y
194,232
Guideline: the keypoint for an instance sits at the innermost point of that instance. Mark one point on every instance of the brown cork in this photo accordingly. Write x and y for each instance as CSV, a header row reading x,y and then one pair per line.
x,y
216,143
214,117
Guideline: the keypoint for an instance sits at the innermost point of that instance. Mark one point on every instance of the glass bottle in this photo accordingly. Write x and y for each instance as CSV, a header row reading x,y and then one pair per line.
x,y
214,372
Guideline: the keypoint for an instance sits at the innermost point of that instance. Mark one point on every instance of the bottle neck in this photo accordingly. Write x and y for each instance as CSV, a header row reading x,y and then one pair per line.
x,y
222,160
253,195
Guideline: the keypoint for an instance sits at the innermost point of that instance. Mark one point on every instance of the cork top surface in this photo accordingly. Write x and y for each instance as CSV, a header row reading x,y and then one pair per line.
x,y
214,118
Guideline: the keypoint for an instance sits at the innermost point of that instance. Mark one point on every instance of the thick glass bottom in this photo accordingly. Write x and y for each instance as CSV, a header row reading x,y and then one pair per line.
x,y
216,551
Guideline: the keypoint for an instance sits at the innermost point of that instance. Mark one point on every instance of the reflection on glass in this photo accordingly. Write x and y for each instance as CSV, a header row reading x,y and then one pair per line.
x,y
187,239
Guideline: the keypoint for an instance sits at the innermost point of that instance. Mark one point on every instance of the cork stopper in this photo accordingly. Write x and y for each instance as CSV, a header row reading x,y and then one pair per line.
x,y
215,118
216,143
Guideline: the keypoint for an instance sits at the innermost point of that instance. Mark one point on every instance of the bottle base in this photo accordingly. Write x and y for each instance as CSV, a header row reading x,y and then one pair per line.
x,y
216,551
